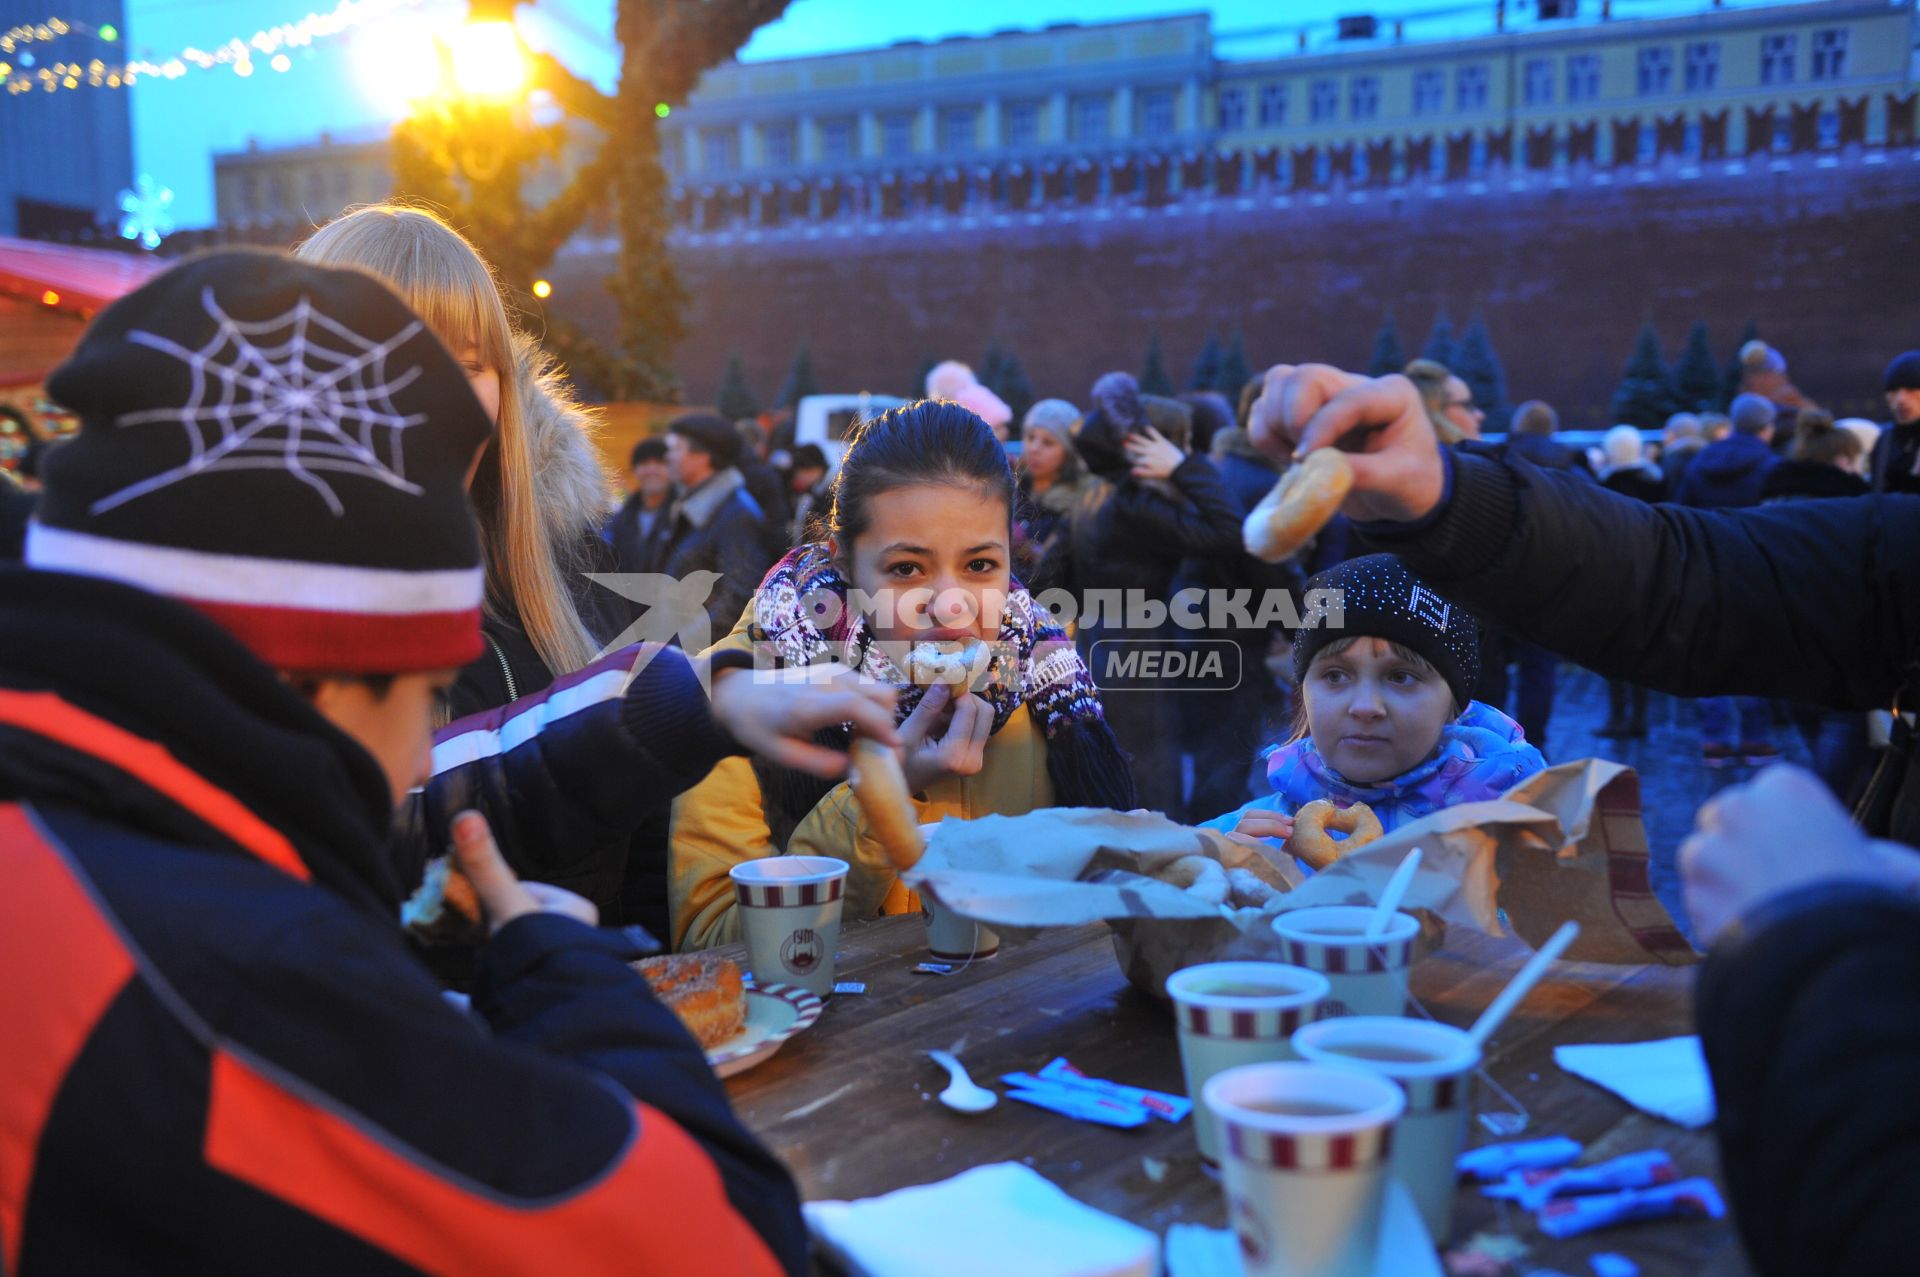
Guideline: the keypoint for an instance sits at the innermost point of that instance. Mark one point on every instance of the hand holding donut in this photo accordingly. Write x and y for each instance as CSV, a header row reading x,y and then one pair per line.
x,y
1379,423
1311,842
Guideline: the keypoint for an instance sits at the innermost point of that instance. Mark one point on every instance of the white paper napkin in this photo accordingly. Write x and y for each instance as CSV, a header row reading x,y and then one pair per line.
x,y
1003,1219
1667,1078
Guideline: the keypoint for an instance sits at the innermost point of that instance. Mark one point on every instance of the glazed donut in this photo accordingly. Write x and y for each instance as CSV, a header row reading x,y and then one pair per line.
x,y
1310,841
1308,494
1246,890
1199,876
880,787
955,664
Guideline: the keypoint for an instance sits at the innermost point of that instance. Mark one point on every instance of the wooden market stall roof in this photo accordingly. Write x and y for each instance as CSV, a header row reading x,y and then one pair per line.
x,y
48,292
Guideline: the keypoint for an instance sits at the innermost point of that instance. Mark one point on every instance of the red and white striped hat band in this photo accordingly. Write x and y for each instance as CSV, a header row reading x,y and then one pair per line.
x,y
1310,1151
783,895
1243,1024
294,616
1358,957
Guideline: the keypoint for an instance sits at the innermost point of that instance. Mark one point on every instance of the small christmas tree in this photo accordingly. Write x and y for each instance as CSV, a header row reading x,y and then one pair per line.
x,y
1475,363
1388,356
1696,380
1730,385
736,399
1153,375
1439,347
1645,397
1206,365
1234,372
918,390
799,383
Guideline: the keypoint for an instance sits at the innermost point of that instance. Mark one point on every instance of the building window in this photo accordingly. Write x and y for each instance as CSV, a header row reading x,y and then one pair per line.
x,y
1021,122
1429,92
1273,104
719,150
778,142
1470,88
1703,66
896,134
959,127
1233,109
1363,97
1156,113
1655,70
1777,58
1830,53
1323,101
1583,77
1092,117
839,140
1537,82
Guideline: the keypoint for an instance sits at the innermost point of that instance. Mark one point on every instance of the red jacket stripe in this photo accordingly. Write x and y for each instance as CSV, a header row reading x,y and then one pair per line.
x,y
46,714
65,964
660,1208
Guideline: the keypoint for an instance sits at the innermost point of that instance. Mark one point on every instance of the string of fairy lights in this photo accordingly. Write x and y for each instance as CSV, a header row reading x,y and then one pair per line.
x,y
25,49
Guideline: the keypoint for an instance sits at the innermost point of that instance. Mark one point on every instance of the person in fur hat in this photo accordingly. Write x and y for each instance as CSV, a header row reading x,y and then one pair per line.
x,y
954,381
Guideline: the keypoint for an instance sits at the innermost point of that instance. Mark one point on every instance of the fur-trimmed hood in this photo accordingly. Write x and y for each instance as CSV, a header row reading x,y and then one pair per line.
x,y
576,492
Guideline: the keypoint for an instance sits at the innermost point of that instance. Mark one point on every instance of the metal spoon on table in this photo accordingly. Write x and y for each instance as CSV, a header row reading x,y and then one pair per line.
x,y
963,1094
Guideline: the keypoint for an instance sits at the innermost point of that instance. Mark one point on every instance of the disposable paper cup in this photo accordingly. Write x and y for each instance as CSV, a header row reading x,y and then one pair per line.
x,y
1369,977
1305,1170
1224,1025
952,937
790,916
1433,1063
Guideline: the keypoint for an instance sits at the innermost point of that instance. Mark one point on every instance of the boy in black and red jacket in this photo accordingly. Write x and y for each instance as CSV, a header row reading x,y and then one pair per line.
x,y
248,577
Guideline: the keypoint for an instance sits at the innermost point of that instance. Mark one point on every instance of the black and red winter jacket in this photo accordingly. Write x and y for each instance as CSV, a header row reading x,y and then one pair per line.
x,y
217,1054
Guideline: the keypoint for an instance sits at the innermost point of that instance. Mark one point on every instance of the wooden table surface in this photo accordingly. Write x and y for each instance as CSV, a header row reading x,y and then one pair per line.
x,y
850,1104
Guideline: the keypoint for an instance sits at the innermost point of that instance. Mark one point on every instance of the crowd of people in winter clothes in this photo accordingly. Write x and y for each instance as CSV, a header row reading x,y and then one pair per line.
x,y
259,669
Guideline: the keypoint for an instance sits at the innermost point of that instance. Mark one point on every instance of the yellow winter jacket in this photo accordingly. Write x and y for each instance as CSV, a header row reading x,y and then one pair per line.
x,y
721,822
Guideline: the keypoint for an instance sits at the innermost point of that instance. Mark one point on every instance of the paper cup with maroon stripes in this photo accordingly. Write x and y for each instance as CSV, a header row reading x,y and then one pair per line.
x,y
1434,1064
1304,1165
1369,977
1234,1013
790,916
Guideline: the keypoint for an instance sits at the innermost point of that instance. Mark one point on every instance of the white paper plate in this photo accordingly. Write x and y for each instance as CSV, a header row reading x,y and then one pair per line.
x,y
775,1012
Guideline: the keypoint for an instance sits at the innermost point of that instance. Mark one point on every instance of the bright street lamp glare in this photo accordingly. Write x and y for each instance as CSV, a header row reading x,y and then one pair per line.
x,y
542,289
397,67
487,61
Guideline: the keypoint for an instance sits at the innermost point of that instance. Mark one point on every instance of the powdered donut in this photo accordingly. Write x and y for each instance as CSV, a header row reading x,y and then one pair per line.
x,y
954,664
1310,841
1308,494
880,787
1200,876
1245,890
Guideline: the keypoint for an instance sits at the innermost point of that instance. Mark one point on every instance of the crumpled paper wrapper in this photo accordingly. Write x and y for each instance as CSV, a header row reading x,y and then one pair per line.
x,y
1565,844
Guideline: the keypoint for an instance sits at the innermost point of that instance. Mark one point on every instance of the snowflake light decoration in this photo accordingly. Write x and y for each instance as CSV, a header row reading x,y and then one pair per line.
x,y
144,210
268,396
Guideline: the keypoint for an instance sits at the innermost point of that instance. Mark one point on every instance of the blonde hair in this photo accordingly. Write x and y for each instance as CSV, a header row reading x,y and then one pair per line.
x,y
445,281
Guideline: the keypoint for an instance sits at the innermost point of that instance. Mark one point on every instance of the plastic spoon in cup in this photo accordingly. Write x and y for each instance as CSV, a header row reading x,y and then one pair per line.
x,y
1522,983
1390,898
963,1094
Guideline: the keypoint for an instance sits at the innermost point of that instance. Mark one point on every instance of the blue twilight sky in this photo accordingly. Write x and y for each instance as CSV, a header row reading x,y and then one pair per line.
x,y
337,85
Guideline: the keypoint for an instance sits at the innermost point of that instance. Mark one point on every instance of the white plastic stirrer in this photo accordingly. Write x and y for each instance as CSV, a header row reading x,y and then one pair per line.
x,y
1396,890
1522,983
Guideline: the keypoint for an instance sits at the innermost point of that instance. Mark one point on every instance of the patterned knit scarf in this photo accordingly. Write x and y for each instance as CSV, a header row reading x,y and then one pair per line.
x,y
803,616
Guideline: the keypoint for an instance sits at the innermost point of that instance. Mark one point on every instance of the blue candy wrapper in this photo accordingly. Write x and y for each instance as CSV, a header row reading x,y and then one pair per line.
x,y
1492,1162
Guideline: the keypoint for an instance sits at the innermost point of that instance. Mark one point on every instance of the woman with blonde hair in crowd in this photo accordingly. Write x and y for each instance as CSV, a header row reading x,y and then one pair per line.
x,y
573,756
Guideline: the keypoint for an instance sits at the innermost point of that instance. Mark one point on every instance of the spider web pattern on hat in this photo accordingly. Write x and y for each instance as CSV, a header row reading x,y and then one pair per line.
x,y
297,404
